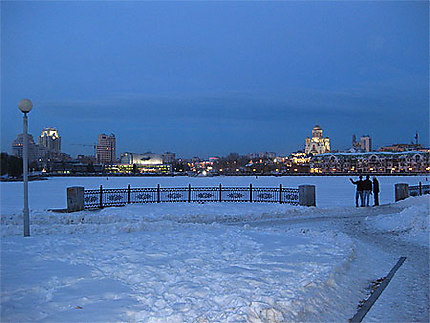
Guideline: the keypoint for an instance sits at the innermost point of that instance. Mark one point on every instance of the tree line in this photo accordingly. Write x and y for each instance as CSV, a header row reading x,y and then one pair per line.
x,y
11,165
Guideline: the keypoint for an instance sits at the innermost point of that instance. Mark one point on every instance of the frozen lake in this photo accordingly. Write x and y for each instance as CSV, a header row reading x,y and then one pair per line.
x,y
331,191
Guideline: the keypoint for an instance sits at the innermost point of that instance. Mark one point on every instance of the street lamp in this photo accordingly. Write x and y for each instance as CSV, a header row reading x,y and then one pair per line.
x,y
25,106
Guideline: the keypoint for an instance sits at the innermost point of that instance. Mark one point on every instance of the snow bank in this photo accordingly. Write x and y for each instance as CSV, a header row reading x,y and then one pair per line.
x,y
145,217
411,224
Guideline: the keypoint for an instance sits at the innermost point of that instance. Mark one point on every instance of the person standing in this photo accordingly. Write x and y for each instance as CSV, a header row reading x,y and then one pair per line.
x,y
375,191
367,190
359,190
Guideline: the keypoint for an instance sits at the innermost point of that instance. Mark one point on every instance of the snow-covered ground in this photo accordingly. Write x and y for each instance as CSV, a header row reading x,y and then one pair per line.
x,y
225,262
411,224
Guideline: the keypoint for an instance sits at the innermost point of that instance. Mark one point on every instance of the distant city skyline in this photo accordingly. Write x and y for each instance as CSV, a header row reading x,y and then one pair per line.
x,y
206,78
99,147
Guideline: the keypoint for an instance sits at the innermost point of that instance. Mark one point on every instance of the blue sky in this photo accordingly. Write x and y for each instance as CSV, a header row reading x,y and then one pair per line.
x,y
210,78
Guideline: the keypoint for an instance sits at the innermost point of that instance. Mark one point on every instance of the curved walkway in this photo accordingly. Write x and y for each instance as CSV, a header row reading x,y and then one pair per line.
x,y
406,299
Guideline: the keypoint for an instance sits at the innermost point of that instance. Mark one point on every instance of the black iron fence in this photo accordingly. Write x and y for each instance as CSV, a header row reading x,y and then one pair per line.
x,y
419,189
103,197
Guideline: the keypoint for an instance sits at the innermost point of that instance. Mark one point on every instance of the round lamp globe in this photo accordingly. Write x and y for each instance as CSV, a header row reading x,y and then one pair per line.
x,y
25,105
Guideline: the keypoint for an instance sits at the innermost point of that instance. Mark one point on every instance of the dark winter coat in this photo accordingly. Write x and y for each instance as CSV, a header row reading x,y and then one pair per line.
x,y
375,186
367,185
359,183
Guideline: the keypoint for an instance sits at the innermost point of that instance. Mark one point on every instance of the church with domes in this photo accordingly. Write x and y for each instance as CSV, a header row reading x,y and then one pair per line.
x,y
317,144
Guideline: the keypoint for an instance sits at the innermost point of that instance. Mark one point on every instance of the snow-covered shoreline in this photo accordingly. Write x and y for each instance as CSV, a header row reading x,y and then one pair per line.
x,y
331,191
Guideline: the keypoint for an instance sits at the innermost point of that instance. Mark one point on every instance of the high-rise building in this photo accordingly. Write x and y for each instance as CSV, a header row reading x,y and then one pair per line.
x,y
51,140
169,158
106,150
366,143
317,144
17,147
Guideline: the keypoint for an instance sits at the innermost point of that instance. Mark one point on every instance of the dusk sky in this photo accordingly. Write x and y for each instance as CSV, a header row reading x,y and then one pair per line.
x,y
210,78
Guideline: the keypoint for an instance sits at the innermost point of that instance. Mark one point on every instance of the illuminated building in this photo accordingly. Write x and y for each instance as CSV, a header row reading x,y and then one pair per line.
x,y
141,159
317,144
141,169
18,143
141,163
51,140
300,158
106,149
371,162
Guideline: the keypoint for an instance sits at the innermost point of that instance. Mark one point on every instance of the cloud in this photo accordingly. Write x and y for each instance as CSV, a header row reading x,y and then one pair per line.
x,y
229,107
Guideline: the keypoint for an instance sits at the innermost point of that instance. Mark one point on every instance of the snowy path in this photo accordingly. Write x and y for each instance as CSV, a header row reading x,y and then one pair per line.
x,y
406,299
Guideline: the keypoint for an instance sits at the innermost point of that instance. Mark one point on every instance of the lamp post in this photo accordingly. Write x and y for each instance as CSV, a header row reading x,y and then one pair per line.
x,y
25,106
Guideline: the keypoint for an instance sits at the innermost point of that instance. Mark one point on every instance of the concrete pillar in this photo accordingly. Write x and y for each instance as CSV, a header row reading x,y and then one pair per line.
x,y
307,195
401,191
75,198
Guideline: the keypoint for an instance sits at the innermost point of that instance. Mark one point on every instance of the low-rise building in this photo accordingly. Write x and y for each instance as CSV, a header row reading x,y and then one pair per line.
x,y
266,155
140,163
401,147
141,159
138,169
371,162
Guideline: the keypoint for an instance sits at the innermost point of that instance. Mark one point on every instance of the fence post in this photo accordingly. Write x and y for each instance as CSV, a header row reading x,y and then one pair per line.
x,y
401,191
220,198
101,196
189,193
307,195
250,193
128,194
158,193
75,198
421,188
280,193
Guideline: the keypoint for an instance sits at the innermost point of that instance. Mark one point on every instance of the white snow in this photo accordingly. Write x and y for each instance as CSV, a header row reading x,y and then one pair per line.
x,y
411,224
213,262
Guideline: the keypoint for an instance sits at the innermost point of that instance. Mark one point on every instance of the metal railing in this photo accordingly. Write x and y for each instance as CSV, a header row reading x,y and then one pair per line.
x,y
104,197
420,189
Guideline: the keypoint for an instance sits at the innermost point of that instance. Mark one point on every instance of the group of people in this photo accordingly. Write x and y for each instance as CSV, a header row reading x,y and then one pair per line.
x,y
364,189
